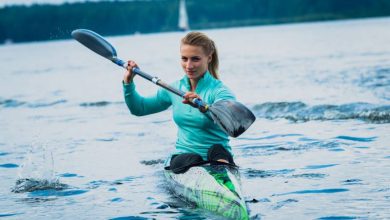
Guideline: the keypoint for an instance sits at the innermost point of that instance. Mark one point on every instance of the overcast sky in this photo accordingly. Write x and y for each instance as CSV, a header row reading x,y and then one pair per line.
x,y
29,2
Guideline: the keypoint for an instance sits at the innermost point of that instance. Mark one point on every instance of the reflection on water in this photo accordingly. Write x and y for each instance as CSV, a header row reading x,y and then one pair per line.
x,y
319,148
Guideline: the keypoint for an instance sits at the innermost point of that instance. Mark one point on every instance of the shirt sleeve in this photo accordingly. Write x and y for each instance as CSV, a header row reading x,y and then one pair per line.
x,y
139,105
223,93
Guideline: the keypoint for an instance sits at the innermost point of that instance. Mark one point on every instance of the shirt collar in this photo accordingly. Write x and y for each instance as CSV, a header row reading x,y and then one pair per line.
x,y
201,83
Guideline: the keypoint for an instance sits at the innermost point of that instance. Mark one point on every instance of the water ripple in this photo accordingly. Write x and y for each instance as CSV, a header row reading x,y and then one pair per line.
x,y
256,149
130,218
57,193
252,173
337,218
46,104
99,104
3,153
313,167
9,165
284,203
316,191
376,78
358,139
12,103
301,112
309,175
106,139
152,162
117,199
9,214
98,183
353,182
270,137
258,200
69,175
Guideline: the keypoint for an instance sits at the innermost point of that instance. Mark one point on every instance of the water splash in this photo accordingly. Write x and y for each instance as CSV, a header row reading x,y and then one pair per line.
x,y
37,171
39,162
31,185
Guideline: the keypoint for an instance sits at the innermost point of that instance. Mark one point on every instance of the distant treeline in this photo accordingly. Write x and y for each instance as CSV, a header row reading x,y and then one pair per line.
x,y
46,22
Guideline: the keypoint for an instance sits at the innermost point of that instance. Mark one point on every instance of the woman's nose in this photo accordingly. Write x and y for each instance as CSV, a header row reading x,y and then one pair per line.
x,y
189,64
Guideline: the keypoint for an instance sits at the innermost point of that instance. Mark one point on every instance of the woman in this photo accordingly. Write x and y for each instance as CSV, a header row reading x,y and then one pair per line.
x,y
199,138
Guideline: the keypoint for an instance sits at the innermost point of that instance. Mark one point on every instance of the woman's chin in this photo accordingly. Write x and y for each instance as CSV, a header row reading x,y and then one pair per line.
x,y
191,75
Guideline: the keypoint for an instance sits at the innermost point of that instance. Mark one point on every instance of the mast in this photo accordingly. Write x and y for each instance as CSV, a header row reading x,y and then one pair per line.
x,y
183,17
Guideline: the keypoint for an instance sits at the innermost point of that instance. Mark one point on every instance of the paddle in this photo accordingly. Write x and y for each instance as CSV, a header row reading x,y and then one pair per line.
x,y
233,117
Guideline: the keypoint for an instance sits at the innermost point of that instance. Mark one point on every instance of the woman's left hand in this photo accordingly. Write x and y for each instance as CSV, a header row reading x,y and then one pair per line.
x,y
189,97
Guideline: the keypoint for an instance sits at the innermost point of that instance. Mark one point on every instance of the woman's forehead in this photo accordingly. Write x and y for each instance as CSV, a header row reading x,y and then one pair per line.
x,y
191,50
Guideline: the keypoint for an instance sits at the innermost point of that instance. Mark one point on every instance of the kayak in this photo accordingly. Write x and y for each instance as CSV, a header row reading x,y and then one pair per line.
x,y
215,188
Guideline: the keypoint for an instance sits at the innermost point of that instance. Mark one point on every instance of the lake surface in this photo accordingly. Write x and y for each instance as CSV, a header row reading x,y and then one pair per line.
x,y
319,149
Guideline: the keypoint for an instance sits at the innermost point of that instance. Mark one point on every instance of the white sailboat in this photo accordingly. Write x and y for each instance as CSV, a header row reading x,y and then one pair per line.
x,y
183,17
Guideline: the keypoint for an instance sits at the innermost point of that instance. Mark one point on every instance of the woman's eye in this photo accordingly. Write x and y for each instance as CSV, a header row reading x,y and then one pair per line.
x,y
184,59
195,59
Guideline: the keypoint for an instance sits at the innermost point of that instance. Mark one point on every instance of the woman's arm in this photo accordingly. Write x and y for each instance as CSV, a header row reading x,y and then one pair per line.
x,y
137,104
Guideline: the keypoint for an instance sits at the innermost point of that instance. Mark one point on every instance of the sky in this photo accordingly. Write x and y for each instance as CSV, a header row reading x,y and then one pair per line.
x,y
29,2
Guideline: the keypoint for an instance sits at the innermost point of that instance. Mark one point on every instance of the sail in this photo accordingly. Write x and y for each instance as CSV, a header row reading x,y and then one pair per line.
x,y
183,17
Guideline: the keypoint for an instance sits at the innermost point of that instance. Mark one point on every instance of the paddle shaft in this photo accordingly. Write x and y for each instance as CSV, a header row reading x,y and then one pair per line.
x,y
157,81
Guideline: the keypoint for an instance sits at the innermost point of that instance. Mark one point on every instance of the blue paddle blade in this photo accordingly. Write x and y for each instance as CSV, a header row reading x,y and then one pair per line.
x,y
95,42
233,117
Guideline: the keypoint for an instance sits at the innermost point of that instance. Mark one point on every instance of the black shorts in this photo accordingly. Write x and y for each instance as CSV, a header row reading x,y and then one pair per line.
x,y
180,163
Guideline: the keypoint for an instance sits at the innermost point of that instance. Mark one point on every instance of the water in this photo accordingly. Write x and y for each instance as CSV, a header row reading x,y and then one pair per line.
x,y
318,150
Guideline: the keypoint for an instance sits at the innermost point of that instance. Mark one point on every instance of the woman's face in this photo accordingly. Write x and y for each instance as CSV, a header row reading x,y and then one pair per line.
x,y
194,61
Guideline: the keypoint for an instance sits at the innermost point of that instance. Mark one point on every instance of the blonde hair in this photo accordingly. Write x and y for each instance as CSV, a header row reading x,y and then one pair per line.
x,y
201,40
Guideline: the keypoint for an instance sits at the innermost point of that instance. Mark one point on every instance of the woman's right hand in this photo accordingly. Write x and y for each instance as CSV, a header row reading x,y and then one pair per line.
x,y
129,75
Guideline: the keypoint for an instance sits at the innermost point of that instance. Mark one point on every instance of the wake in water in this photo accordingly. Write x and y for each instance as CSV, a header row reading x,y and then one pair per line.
x,y
301,112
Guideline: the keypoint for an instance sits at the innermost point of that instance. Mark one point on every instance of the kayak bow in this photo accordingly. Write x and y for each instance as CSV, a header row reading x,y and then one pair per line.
x,y
215,188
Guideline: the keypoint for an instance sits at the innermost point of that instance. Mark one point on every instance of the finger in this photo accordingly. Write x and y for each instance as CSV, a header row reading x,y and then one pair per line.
x,y
129,65
191,95
134,64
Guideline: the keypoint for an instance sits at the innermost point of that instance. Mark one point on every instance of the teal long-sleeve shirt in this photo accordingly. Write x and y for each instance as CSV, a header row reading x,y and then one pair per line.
x,y
196,132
